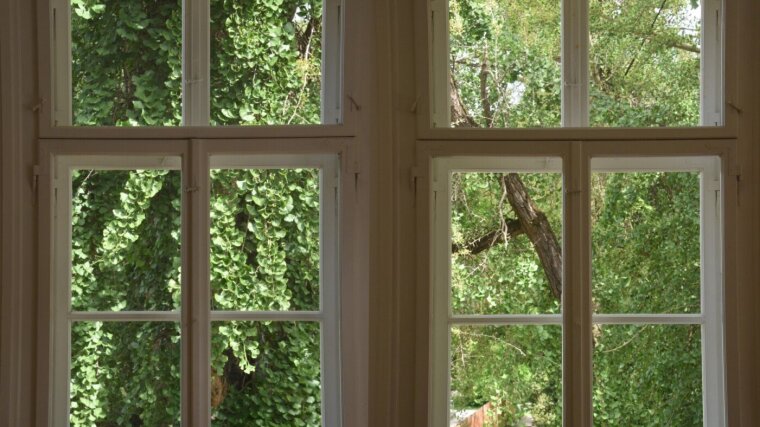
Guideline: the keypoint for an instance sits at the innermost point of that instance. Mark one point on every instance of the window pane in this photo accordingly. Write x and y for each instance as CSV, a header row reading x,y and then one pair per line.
x,y
266,60
125,373
125,240
265,248
647,375
646,242
126,62
504,58
512,375
265,374
506,233
644,63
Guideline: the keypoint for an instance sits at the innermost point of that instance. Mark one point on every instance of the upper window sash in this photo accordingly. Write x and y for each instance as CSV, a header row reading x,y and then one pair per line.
x,y
575,85
196,75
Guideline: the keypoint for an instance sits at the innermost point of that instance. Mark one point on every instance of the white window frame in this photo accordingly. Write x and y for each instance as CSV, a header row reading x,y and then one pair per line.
x,y
710,318
196,69
574,63
195,287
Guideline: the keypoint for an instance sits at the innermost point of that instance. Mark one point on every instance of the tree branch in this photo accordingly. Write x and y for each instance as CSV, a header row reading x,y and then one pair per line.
x,y
490,239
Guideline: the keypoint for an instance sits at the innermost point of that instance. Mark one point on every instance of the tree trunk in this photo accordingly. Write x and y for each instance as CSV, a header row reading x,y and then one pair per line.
x,y
536,226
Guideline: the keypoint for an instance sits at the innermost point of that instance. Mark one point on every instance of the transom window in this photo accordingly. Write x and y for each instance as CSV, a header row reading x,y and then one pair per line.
x,y
196,62
576,63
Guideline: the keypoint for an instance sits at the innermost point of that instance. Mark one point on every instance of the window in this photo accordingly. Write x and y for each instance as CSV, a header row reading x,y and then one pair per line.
x,y
575,63
505,323
140,328
196,62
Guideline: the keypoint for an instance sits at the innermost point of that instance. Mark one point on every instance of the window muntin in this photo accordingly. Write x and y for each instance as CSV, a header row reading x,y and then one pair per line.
x,y
534,340
85,340
203,63
671,83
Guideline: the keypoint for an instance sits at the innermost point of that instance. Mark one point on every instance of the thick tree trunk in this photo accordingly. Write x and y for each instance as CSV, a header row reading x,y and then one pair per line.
x,y
536,226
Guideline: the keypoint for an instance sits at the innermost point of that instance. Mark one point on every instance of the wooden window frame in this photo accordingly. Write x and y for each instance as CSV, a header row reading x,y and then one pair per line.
x,y
195,158
55,109
717,295
718,114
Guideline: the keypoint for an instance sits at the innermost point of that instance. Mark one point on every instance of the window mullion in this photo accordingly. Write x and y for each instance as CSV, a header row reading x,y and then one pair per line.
x,y
198,289
576,291
575,63
196,71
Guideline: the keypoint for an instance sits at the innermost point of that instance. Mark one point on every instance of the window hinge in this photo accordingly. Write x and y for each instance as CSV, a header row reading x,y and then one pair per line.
x,y
414,173
355,171
35,178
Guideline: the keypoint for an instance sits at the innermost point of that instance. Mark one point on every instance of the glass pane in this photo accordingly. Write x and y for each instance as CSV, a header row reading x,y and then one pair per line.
x,y
504,59
265,374
644,63
647,375
125,373
265,249
126,62
266,61
646,242
506,243
506,375
125,240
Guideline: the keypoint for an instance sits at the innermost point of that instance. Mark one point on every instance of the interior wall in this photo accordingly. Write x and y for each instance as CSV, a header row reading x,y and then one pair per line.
x,y
385,148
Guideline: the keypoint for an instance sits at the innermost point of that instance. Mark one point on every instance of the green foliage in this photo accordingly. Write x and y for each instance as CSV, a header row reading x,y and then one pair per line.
x,y
644,62
265,256
520,43
266,62
266,58
646,259
126,62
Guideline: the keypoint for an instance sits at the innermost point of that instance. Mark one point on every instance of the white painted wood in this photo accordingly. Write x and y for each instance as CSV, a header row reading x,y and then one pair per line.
x,y
575,63
647,319
712,289
124,316
277,316
332,61
196,58
505,319
60,326
60,75
199,287
712,64
438,16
